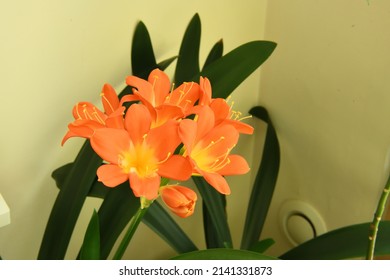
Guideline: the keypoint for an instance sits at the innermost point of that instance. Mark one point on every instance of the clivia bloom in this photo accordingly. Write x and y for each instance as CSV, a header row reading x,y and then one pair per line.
x,y
224,114
180,200
209,147
163,102
88,117
140,154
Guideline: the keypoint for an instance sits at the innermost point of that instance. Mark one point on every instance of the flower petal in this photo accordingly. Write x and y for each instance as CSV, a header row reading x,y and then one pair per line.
x,y
220,108
205,121
220,140
185,96
217,181
161,85
187,133
237,166
81,128
137,122
146,187
164,139
241,127
108,143
180,200
115,119
165,113
205,91
110,99
111,175
141,87
176,167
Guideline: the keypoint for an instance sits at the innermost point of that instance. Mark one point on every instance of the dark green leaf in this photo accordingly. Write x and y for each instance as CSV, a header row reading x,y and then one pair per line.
x,y
165,63
262,245
68,204
143,60
215,53
222,254
90,249
118,207
188,61
345,243
97,190
227,73
210,231
162,223
215,207
264,184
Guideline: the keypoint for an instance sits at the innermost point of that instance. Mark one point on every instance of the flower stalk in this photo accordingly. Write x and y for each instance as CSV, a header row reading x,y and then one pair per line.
x,y
135,221
377,218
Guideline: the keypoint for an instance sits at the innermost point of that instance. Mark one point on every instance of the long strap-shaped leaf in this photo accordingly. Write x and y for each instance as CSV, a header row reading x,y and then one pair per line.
x,y
118,207
217,214
143,60
228,72
223,254
264,184
344,243
90,250
68,204
188,61
162,223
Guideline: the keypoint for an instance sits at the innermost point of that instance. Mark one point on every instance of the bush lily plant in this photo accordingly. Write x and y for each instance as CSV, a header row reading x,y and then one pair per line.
x,y
153,136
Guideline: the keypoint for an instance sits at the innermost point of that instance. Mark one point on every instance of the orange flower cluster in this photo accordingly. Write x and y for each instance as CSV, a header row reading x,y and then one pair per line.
x,y
167,133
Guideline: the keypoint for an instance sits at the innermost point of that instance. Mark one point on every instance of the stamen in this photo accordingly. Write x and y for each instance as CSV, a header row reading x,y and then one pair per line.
x,y
77,112
172,87
219,164
184,92
108,102
164,160
86,114
247,117
212,143
155,78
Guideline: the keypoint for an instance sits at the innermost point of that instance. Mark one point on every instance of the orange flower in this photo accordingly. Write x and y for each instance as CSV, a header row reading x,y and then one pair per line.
x,y
140,154
88,117
222,111
209,148
163,103
180,200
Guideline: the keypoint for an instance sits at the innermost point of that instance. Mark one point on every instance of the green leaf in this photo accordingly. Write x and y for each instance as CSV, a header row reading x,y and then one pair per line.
x,y
162,223
228,72
210,231
215,53
215,207
222,254
264,184
188,61
68,204
143,60
117,209
90,249
344,243
262,245
98,189
165,63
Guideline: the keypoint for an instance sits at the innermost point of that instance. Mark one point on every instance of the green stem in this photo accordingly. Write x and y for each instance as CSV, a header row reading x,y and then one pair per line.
x,y
135,221
377,218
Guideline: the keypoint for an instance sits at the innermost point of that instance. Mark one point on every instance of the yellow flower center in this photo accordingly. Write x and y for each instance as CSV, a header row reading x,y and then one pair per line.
x,y
207,160
140,158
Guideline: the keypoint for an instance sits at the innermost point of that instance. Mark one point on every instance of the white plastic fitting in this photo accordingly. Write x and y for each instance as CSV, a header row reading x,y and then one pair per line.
x,y
5,217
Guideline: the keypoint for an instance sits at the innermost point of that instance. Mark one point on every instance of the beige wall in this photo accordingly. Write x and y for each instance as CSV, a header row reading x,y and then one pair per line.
x,y
56,53
325,86
328,90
